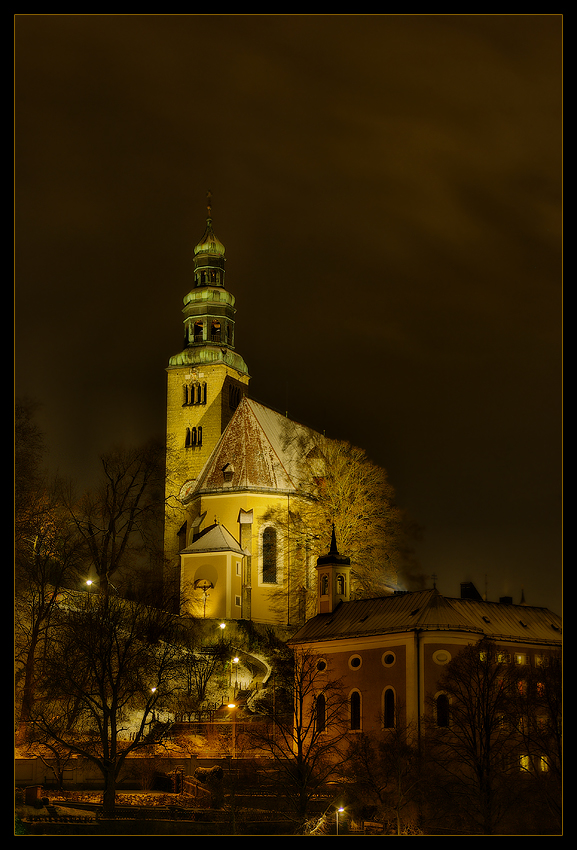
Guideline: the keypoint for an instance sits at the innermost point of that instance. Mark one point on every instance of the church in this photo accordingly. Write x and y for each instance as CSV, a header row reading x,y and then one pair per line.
x,y
235,471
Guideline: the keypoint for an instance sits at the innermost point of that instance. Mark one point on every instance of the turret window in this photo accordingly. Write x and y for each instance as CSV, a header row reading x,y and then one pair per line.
x,y
215,331
198,332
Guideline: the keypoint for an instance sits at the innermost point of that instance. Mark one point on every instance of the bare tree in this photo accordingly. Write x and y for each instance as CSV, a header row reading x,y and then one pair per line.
x,y
538,706
339,484
47,558
120,521
44,568
110,663
386,780
475,745
307,724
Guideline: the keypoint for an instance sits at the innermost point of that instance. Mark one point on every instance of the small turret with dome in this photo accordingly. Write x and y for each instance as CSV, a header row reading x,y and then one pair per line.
x,y
334,578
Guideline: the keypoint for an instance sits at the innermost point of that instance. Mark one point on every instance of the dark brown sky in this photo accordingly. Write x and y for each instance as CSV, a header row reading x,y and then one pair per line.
x,y
388,189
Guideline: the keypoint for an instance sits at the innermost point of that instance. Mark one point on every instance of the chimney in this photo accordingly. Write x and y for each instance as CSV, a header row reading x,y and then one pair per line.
x,y
506,600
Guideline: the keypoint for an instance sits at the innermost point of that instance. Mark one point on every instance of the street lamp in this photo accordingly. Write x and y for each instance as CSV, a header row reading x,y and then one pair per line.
x,y
340,809
232,706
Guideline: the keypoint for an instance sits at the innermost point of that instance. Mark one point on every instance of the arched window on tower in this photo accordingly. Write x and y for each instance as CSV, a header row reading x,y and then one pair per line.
x,y
269,556
198,332
389,709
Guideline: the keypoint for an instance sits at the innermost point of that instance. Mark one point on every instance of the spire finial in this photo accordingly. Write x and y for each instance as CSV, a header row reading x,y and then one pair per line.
x,y
209,203
333,549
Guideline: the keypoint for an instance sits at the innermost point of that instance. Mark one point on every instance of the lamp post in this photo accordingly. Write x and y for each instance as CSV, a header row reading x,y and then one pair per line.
x,y
233,661
232,707
340,809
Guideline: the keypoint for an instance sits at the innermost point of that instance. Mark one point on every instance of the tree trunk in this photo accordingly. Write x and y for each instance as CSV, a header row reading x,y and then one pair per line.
x,y
109,795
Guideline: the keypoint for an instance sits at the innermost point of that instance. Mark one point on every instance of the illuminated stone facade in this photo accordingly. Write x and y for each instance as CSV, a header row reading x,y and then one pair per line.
x,y
229,462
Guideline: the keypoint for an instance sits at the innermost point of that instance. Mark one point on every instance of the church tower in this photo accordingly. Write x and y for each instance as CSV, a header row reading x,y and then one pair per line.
x,y
206,382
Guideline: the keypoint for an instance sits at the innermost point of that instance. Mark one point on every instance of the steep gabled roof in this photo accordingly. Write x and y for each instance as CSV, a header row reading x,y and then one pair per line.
x,y
260,449
215,538
428,610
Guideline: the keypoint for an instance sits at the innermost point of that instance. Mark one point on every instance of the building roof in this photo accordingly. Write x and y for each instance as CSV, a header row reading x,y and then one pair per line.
x,y
261,449
429,611
215,538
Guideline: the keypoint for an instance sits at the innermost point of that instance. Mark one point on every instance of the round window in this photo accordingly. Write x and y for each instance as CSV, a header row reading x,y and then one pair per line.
x,y
355,662
321,665
441,656
389,658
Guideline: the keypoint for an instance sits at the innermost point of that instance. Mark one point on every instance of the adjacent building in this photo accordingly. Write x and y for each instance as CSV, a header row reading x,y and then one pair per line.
x,y
390,652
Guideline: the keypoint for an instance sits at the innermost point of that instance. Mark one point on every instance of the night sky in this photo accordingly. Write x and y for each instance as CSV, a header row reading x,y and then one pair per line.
x,y
388,190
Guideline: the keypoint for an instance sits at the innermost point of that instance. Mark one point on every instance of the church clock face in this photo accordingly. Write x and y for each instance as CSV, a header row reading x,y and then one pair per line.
x,y
186,490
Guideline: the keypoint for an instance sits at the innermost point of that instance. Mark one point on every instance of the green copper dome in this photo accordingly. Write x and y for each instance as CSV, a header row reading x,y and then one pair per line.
x,y
209,244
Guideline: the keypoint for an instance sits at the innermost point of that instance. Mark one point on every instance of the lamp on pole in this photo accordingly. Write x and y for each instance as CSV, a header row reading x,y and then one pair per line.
x,y
340,809
232,707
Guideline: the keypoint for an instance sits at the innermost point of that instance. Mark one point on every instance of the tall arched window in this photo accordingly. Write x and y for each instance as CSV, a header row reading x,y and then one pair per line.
x,y
321,710
389,709
269,556
442,706
355,710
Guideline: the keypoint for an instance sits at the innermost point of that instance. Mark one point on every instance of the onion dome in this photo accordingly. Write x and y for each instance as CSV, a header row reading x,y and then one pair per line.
x,y
209,244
